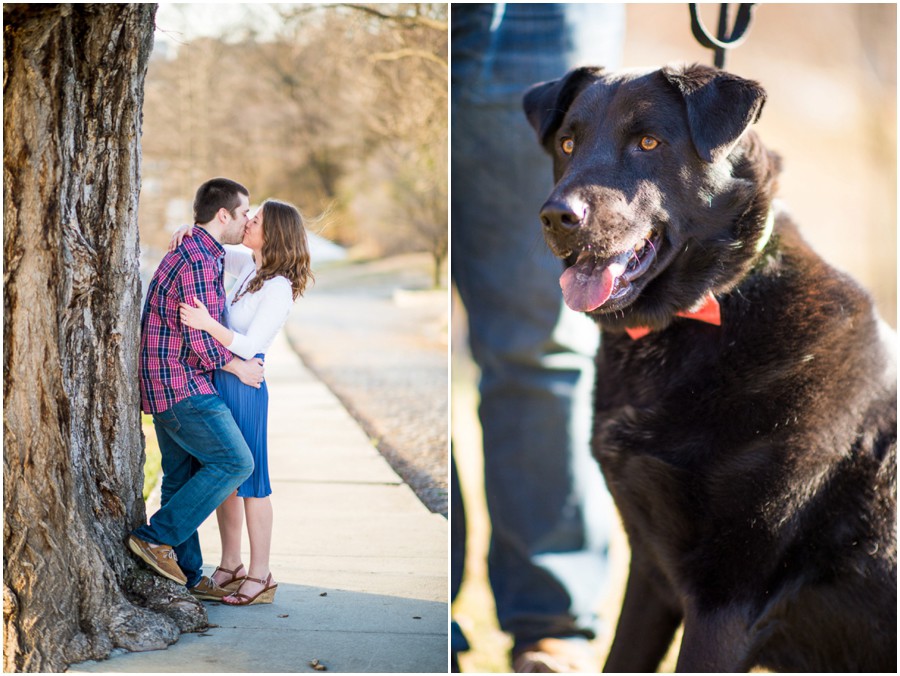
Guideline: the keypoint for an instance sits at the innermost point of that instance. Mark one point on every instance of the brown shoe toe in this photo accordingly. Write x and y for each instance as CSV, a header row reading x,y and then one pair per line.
x,y
208,590
161,558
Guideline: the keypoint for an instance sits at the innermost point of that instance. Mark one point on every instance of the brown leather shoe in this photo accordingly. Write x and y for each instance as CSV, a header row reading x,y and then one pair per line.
x,y
161,558
555,656
208,590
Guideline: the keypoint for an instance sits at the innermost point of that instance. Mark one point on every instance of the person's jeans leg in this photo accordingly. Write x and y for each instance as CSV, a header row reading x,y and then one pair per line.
x,y
178,466
547,500
550,512
203,428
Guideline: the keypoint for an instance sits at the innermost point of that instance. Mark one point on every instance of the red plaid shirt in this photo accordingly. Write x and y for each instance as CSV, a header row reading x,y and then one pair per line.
x,y
177,361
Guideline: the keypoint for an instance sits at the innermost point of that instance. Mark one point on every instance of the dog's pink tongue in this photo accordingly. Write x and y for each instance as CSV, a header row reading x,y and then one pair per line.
x,y
588,284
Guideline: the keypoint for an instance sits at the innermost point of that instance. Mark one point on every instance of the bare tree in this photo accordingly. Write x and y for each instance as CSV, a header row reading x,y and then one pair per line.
x,y
366,115
195,127
343,109
73,451
406,67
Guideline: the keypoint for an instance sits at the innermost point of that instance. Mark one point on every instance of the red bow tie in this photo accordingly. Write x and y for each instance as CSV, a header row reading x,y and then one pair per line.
x,y
707,312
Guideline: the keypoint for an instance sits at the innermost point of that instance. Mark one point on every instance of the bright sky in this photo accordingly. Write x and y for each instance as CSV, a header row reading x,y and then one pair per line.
x,y
179,22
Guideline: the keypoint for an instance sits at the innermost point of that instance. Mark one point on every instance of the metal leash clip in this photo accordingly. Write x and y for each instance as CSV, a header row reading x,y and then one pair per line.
x,y
725,38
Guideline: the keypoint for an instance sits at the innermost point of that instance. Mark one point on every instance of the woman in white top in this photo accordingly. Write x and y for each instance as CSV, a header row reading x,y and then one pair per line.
x,y
268,283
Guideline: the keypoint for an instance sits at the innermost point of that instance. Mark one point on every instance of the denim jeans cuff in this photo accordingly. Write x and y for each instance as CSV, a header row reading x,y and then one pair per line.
x,y
145,534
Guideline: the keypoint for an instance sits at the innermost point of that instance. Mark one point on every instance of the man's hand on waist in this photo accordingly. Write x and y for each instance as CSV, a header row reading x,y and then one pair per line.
x,y
250,372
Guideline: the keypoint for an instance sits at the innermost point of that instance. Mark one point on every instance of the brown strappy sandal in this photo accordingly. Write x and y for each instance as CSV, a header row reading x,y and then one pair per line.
x,y
265,595
234,583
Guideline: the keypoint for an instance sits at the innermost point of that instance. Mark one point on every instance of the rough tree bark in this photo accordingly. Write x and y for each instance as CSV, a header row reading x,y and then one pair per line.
x,y
73,81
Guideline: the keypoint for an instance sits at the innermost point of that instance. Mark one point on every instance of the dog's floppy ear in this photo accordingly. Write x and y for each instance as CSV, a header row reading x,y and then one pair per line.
x,y
720,107
546,103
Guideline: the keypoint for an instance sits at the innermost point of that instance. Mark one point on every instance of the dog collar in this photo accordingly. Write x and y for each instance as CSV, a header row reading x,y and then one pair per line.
x,y
708,310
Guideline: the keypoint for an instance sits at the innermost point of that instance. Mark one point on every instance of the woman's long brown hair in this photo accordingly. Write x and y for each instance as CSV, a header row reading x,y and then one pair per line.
x,y
285,250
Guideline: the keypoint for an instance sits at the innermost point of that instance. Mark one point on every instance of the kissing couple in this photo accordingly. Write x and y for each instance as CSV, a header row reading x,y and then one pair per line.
x,y
202,379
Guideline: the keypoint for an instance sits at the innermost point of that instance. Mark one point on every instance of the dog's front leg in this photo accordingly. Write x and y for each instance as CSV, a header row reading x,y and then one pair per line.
x,y
647,622
713,641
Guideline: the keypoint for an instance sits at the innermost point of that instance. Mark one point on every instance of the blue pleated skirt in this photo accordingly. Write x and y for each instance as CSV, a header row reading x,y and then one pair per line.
x,y
250,408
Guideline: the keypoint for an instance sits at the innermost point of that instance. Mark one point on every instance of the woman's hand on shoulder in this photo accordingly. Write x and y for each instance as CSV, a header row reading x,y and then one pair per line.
x,y
196,316
180,234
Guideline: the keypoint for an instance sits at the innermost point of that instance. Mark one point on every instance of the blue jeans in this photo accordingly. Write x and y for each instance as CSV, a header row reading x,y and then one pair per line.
x,y
550,511
204,458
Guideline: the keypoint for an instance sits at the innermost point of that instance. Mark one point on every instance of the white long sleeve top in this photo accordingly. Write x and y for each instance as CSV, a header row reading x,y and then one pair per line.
x,y
256,318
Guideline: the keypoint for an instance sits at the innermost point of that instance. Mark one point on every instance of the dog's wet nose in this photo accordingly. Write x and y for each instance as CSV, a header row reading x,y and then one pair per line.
x,y
562,214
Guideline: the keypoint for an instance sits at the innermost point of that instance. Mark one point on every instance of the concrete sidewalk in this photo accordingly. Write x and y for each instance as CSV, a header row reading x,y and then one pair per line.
x,y
361,564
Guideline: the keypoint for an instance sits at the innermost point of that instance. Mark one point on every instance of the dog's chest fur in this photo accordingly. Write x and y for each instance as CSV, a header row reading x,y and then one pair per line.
x,y
721,444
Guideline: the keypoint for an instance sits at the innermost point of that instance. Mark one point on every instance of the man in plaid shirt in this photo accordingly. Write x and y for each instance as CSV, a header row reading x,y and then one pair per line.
x,y
204,455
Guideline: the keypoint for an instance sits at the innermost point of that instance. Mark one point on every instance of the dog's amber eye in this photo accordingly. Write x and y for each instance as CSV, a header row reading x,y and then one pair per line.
x,y
567,145
649,143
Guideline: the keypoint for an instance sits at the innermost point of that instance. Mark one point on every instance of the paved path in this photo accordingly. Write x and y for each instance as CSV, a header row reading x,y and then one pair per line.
x,y
361,563
377,335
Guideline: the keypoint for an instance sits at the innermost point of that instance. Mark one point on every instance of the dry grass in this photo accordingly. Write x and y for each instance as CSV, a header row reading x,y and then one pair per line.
x,y
153,461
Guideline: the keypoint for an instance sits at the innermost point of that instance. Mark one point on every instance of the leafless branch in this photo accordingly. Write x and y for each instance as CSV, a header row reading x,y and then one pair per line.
x,y
407,53
416,20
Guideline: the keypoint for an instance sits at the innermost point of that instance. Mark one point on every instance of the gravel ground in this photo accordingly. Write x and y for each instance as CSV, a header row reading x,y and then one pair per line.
x,y
376,335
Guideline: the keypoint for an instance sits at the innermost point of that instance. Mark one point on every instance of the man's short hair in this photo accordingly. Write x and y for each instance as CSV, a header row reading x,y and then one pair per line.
x,y
215,194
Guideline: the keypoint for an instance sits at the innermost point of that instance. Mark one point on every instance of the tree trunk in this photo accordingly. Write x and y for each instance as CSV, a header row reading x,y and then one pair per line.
x,y
437,278
73,451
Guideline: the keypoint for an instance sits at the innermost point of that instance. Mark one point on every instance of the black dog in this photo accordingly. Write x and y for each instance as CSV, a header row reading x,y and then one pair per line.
x,y
746,391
